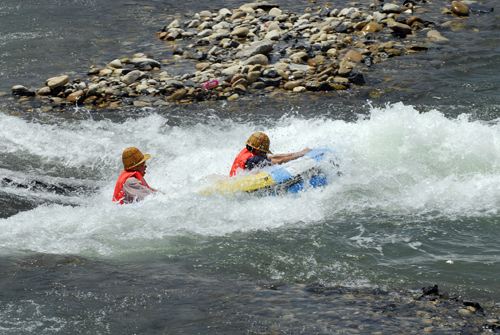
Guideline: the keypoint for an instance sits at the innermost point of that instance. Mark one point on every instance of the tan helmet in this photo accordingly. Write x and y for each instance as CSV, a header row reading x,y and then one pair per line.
x,y
259,141
133,157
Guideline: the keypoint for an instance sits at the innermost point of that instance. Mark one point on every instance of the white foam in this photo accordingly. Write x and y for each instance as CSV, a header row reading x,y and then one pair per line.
x,y
398,161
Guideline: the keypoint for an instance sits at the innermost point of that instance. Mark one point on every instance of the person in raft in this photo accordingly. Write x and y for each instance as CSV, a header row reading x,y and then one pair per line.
x,y
131,185
256,154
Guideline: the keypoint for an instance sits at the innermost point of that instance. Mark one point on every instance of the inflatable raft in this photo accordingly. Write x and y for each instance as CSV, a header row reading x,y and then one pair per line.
x,y
291,177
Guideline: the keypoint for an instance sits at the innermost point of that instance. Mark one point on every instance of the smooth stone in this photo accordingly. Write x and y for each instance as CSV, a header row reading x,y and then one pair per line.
x,y
353,56
372,27
391,8
252,76
105,72
57,82
273,35
299,89
117,64
459,8
141,104
332,52
178,95
345,67
233,97
299,57
44,91
258,59
202,66
143,61
464,312
21,91
259,47
271,81
174,24
400,29
75,96
275,12
435,36
290,85
205,14
225,12
131,77
240,32
231,71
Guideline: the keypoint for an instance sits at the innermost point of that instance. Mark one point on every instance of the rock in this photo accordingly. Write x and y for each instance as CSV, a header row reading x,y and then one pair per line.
x,y
22,91
459,8
290,85
231,71
223,12
391,8
299,57
116,64
75,96
144,63
57,82
273,35
44,91
257,59
271,81
353,56
372,27
264,5
105,72
464,312
435,36
252,76
141,104
174,24
345,67
202,66
178,95
399,29
233,97
131,77
275,12
240,32
259,47
299,89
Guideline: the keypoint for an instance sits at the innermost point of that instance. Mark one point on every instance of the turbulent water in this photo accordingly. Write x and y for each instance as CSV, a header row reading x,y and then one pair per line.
x,y
417,202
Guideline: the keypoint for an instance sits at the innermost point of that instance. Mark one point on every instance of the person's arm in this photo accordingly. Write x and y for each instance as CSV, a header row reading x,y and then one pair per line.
x,y
135,191
283,158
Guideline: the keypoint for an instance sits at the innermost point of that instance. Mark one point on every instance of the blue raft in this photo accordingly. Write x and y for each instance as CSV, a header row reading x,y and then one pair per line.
x,y
292,177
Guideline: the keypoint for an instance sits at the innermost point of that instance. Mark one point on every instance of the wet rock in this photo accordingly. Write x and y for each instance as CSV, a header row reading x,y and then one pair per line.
x,y
372,27
259,59
399,29
178,95
75,96
353,56
299,89
116,64
145,63
240,32
22,91
290,85
57,82
202,66
131,77
233,97
299,57
459,8
271,81
391,8
259,47
44,91
275,12
435,36
232,70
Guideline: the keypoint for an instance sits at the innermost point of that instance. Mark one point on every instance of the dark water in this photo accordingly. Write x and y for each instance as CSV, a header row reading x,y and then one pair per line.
x,y
417,203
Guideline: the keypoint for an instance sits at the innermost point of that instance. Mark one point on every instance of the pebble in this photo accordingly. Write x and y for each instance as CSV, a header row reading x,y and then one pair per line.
x,y
57,82
435,36
459,8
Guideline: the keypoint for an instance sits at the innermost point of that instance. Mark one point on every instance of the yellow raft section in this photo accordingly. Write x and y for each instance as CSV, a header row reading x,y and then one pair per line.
x,y
248,183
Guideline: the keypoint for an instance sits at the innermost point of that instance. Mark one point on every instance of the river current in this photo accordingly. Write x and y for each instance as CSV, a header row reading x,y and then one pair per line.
x,y
417,202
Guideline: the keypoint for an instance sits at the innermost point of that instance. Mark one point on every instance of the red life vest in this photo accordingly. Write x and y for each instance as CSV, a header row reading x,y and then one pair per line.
x,y
240,161
119,195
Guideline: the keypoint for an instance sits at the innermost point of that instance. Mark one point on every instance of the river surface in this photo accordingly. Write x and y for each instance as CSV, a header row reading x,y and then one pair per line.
x,y
417,202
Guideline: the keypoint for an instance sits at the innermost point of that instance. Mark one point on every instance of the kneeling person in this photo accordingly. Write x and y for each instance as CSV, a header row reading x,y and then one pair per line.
x,y
257,154
131,185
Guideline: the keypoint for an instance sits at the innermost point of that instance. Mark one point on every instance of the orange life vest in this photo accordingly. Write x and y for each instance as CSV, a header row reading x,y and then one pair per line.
x,y
119,195
240,161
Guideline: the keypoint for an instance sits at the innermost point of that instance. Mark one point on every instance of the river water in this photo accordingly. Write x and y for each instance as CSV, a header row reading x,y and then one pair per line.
x,y
417,203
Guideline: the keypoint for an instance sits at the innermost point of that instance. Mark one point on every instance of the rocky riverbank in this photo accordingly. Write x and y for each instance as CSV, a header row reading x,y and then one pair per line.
x,y
257,49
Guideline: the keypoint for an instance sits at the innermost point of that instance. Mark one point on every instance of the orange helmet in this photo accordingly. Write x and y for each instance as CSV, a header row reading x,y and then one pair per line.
x,y
133,157
259,141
